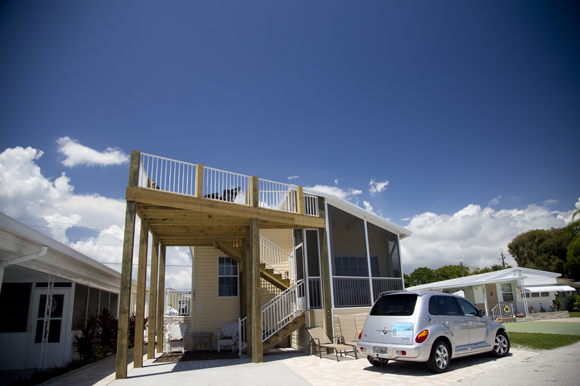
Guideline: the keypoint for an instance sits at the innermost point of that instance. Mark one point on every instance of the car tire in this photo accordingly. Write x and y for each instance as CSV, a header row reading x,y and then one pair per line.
x,y
440,357
377,362
501,346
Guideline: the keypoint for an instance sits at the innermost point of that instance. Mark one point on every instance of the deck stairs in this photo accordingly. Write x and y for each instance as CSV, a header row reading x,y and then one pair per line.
x,y
283,314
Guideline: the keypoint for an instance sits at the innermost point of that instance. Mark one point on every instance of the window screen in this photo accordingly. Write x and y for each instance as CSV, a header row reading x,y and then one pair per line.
x,y
79,306
14,304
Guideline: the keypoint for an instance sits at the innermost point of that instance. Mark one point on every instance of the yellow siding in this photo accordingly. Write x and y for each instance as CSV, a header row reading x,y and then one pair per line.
x,y
281,237
346,315
348,242
301,338
378,247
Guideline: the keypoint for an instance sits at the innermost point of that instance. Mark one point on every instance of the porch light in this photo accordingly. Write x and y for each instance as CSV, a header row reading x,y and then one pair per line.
x,y
422,337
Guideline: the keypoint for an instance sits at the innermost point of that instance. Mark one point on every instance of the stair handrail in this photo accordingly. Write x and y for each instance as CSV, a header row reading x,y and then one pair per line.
x,y
276,258
283,309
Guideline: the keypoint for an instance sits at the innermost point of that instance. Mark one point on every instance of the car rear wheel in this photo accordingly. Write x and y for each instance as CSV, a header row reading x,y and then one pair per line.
x,y
501,347
440,357
377,362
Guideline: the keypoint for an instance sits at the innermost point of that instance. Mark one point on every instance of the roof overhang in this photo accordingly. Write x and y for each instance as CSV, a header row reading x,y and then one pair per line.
x,y
550,288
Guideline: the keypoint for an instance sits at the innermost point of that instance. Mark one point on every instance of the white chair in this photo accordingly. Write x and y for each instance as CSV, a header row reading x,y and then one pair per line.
x,y
175,336
228,336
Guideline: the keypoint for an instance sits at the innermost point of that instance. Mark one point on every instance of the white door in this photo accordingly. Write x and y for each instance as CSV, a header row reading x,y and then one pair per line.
x,y
57,333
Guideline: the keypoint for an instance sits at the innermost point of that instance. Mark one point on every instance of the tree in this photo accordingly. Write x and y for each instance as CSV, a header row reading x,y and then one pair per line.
x,y
493,268
451,272
422,275
572,265
541,249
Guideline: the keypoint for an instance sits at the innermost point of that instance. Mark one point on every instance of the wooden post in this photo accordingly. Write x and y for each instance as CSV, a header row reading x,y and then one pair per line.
x,y
255,317
126,273
152,299
325,274
244,275
161,299
199,181
300,199
254,194
141,286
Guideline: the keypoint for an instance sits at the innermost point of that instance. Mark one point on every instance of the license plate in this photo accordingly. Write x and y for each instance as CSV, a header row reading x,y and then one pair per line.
x,y
381,352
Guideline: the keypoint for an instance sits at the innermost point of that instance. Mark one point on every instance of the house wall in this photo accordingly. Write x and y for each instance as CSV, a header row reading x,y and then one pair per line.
x,y
348,242
281,237
378,247
349,321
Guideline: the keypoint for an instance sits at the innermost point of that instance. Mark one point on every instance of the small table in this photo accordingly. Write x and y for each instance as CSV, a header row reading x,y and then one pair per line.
x,y
201,337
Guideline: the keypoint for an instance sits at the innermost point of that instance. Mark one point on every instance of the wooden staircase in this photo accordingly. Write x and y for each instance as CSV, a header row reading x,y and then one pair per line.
x,y
294,325
274,277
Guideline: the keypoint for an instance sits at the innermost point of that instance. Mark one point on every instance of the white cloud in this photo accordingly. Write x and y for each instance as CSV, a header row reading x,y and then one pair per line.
x,y
550,202
577,205
494,201
336,181
377,187
473,235
292,177
368,206
77,154
341,193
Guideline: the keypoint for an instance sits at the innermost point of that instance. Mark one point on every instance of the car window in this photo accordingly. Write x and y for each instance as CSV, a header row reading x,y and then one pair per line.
x,y
468,308
395,305
434,306
448,306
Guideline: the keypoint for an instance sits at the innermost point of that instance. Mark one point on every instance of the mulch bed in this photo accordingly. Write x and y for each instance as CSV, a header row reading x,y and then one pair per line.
x,y
204,355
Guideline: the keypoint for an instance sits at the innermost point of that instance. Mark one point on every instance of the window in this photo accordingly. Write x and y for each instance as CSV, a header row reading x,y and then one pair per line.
x,y
434,306
227,277
535,295
14,303
544,294
351,266
508,295
468,308
448,306
395,305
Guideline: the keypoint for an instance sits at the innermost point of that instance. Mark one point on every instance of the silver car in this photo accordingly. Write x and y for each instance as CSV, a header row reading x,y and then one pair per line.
x,y
430,327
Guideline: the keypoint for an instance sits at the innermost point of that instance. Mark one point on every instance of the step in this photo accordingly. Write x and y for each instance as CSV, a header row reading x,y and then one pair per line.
x,y
294,325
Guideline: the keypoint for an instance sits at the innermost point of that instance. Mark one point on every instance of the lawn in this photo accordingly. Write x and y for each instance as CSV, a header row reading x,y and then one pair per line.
x,y
574,314
541,341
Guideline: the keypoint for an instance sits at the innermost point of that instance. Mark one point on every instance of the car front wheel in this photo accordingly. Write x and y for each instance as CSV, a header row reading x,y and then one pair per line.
x,y
501,347
440,357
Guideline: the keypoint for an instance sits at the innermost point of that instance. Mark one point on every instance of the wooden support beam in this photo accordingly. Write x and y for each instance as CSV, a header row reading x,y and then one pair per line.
x,y
126,273
141,286
254,194
229,250
245,280
300,199
325,276
153,299
199,181
161,299
255,322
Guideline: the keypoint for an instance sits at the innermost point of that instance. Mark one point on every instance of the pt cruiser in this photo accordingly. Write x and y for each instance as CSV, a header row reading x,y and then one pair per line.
x,y
430,327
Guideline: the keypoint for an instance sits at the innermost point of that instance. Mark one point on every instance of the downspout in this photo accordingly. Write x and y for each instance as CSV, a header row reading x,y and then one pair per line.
x,y
18,260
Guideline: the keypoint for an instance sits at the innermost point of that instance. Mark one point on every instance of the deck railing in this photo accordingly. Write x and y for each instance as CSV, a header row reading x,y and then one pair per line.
x,y
173,176
276,258
242,334
178,303
167,175
351,291
314,293
504,310
281,310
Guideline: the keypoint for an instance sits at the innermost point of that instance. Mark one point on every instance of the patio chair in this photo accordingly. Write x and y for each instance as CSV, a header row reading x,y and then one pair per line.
x,y
348,330
228,336
319,339
176,336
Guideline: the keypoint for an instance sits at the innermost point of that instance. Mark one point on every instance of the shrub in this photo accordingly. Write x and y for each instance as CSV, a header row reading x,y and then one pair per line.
x,y
574,303
557,304
132,329
85,343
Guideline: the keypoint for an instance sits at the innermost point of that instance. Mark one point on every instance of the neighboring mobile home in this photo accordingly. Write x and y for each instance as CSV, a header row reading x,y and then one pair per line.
x,y
32,266
506,292
273,256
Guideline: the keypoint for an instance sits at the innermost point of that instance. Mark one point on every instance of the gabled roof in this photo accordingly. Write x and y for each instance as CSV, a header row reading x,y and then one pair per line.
x,y
531,277
360,212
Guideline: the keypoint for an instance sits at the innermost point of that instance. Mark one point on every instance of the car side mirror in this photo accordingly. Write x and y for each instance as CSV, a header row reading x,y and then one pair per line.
x,y
480,312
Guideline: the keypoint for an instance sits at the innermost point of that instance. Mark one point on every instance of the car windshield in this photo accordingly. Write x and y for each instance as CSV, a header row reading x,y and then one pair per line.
x,y
395,305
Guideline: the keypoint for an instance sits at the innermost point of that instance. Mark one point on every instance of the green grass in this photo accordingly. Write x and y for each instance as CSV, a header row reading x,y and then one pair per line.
x,y
541,341
574,314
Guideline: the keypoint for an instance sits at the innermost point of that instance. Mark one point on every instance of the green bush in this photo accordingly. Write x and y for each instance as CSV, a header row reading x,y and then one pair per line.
x,y
557,304
574,303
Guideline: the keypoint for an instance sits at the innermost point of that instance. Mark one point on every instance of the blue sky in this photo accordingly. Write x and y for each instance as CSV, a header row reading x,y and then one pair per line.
x,y
468,109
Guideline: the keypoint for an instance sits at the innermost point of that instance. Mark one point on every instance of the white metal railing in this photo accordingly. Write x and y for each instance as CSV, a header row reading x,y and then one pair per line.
x,y
314,293
311,205
276,258
279,196
225,186
178,303
283,309
383,284
351,291
242,336
504,310
166,174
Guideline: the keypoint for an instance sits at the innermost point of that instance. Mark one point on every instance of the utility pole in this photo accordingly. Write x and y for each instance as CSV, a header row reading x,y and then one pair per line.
x,y
461,265
502,258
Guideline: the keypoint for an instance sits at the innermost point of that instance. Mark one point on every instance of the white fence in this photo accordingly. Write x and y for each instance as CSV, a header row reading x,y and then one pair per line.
x,y
281,310
225,186
381,285
242,334
167,175
311,205
504,310
351,291
279,196
276,258
178,303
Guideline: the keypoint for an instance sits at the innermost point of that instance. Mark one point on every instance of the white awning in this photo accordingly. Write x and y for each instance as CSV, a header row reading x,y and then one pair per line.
x,y
550,288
